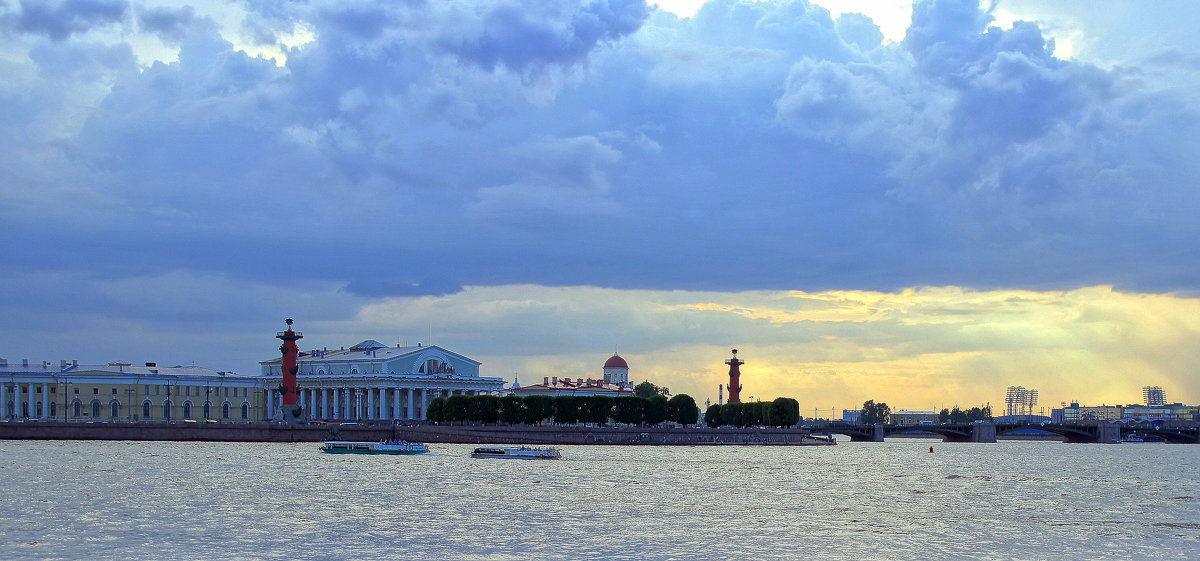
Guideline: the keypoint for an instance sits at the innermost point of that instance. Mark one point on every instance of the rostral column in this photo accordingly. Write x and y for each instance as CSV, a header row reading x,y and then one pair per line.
x,y
290,352
735,375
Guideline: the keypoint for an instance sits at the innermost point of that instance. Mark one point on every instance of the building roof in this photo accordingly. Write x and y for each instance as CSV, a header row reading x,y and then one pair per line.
x,y
615,361
368,350
150,370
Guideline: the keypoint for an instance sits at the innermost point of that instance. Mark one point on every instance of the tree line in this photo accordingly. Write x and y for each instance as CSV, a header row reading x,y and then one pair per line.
x,y
782,412
957,415
564,409
872,413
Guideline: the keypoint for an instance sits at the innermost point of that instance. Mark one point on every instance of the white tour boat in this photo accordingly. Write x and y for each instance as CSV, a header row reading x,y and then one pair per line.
x,y
516,453
392,447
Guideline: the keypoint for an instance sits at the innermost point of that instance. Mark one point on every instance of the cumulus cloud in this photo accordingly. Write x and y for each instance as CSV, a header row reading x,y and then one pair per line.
x,y
412,148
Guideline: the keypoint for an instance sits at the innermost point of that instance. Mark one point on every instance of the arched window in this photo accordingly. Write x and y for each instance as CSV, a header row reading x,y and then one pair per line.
x,y
225,410
207,410
53,409
75,409
116,410
95,409
166,409
187,410
37,409
146,410
245,410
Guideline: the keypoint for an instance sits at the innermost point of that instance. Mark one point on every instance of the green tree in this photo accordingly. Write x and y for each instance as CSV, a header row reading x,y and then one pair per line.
x,y
944,416
647,390
512,409
538,408
731,414
873,413
595,409
455,409
436,410
785,412
566,410
712,416
627,410
657,410
682,409
483,408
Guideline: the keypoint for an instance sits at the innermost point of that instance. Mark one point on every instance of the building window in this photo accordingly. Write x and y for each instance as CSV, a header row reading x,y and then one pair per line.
x,y
225,410
114,391
75,409
245,410
54,389
187,410
116,410
187,390
166,409
53,409
95,409
146,410
207,410
95,391
76,391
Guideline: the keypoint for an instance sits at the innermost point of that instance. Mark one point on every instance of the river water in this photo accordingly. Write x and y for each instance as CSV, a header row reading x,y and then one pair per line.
x,y
891,500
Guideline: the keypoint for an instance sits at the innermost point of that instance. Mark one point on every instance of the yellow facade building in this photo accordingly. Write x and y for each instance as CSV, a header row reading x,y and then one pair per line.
x,y
121,392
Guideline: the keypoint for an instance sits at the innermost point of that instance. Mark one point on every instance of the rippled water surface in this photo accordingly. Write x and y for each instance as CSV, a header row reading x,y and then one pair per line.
x,y
892,500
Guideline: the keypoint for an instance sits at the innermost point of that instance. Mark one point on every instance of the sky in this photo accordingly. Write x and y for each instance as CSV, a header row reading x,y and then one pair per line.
x,y
921,203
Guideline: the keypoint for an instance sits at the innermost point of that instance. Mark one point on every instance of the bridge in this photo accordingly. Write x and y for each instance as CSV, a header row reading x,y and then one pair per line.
x,y
987,432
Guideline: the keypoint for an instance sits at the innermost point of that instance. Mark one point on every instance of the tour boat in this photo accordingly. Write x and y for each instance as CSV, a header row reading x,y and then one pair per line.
x,y
520,453
389,447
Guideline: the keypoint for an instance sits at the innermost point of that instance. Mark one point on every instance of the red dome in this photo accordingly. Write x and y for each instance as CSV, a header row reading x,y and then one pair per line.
x,y
615,361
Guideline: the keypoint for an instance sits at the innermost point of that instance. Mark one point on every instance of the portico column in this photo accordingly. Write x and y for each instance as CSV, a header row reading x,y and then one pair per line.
x,y
270,394
3,401
411,412
396,403
45,400
370,402
424,404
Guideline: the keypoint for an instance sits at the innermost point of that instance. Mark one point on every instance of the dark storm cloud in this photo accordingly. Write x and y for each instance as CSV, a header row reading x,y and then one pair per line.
x,y
173,25
59,19
420,147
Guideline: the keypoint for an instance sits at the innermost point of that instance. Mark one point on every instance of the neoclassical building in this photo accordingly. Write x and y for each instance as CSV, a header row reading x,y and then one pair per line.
x,y
372,381
121,392
614,383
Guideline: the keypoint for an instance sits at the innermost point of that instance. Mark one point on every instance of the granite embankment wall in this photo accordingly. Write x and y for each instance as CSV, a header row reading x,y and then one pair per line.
x,y
268,432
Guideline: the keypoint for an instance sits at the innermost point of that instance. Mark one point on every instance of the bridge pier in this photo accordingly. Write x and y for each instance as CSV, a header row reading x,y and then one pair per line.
x,y
983,432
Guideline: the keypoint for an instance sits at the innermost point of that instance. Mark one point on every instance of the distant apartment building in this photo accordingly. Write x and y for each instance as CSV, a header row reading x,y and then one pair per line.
x,y
1074,413
905,417
851,415
1154,396
1167,412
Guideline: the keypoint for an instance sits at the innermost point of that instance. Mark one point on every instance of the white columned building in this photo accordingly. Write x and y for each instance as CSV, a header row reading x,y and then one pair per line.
x,y
359,380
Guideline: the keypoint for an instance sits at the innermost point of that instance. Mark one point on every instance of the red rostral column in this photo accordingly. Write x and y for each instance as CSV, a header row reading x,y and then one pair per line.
x,y
735,375
290,352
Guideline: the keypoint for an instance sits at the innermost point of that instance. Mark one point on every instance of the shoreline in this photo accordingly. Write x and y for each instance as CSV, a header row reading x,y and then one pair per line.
x,y
452,434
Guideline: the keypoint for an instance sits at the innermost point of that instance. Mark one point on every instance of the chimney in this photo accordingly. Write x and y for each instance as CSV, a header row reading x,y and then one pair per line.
x,y
25,363
555,380
3,362
546,381
74,363
151,364
62,364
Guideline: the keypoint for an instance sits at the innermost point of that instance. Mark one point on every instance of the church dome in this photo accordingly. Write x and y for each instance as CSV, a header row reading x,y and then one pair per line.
x,y
615,361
